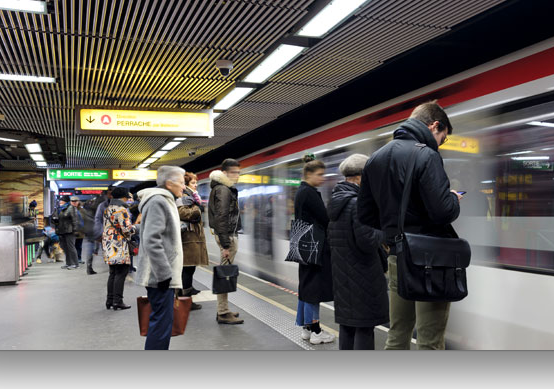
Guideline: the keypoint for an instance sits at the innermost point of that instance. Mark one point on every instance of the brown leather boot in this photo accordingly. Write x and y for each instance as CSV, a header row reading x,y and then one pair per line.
x,y
228,318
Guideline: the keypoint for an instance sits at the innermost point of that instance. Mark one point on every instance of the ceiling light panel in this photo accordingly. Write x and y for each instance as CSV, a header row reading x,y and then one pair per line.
x,y
24,6
159,154
17,77
8,140
233,97
33,148
275,61
171,145
329,17
151,160
37,157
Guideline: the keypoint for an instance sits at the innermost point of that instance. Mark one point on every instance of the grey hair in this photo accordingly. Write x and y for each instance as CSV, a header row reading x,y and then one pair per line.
x,y
169,173
353,165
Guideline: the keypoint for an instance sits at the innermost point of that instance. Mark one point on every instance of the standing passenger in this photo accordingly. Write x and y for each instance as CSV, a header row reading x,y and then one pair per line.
x,y
195,252
359,285
117,232
160,259
315,282
224,218
432,206
67,231
88,241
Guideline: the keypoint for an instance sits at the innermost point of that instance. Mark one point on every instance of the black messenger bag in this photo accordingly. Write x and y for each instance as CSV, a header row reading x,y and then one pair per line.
x,y
429,268
225,279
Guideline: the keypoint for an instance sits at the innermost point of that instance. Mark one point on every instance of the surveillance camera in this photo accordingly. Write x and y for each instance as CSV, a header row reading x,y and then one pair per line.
x,y
192,152
224,66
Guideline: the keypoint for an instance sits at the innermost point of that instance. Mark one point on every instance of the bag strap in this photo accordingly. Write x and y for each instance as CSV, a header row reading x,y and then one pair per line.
x,y
408,180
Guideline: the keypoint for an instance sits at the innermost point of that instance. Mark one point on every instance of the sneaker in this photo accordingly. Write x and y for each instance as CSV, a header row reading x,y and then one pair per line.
x,y
39,261
73,266
322,337
306,333
195,307
65,267
228,318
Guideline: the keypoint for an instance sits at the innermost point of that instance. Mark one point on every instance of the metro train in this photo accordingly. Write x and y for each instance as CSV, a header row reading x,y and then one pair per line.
x,y
501,153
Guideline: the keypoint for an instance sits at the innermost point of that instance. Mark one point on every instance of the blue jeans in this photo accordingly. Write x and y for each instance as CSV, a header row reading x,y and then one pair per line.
x,y
161,318
306,313
88,248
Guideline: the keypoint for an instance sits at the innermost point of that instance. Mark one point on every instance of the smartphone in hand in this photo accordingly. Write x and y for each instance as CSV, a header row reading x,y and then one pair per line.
x,y
461,192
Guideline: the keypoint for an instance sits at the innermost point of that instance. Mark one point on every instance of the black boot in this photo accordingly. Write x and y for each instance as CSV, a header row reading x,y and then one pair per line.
x,y
120,305
89,270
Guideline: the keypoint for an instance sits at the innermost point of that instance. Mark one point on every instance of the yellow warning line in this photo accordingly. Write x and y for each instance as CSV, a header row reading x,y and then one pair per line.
x,y
274,303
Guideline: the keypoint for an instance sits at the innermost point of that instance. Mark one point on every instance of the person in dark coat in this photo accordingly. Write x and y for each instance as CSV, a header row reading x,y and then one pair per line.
x,y
359,285
67,231
315,283
432,206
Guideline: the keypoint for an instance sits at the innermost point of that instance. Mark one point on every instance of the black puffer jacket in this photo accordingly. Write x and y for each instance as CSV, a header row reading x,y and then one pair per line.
x,y
359,283
67,217
315,283
223,208
432,207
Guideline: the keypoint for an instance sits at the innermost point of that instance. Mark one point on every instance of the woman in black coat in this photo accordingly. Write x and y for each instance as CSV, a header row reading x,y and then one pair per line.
x,y
315,282
360,288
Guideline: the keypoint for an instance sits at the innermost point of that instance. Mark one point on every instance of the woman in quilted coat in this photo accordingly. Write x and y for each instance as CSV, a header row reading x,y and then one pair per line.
x,y
117,232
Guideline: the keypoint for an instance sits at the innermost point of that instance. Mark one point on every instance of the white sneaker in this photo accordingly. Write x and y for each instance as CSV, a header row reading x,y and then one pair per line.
x,y
322,337
306,333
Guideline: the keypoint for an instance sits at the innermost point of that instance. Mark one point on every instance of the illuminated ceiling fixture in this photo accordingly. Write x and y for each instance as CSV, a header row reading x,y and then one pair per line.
x,y
171,145
538,158
8,140
151,160
17,77
179,139
159,154
41,164
37,157
232,98
216,114
275,61
38,7
33,148
117,183
329,17
542,124
143,165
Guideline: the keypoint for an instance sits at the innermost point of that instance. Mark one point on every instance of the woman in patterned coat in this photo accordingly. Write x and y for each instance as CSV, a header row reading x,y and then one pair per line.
x,y
118,230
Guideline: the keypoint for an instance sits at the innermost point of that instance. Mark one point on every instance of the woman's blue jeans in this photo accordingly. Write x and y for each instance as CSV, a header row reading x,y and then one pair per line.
x,y
306,313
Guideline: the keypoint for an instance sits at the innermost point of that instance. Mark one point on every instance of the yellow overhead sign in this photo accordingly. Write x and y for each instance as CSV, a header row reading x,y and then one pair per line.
x,y
137,175
99,121
461,144
93,188
253,179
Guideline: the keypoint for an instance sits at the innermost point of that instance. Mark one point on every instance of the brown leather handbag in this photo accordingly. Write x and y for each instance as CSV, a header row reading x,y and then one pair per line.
x,y
181,310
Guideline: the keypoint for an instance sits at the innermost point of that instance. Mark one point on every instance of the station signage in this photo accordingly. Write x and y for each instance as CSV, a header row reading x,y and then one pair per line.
x,y
461,144
88,192
62,174
133,122
135,175
286,181
65,194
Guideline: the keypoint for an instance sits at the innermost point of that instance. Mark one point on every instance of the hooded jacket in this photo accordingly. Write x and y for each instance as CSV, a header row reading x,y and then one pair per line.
x,y
223,208
359,284
67,220
431,208
161,253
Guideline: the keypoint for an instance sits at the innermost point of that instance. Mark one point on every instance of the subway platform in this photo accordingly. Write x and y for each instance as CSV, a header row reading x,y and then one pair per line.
x,y
57,309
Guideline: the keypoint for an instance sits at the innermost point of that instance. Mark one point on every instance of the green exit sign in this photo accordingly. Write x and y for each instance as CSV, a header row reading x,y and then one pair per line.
x,y
61,174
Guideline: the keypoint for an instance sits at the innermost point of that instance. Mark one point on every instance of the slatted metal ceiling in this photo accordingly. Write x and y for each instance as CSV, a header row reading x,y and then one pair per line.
x,y
161,54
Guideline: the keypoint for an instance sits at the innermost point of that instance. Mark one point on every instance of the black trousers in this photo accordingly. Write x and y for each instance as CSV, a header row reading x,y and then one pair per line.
x,y
356,338
116,283
67,241
186,276
79,247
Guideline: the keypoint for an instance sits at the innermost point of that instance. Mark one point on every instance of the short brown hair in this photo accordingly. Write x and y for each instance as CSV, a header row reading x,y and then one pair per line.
x,y
229,163
431,112
190,177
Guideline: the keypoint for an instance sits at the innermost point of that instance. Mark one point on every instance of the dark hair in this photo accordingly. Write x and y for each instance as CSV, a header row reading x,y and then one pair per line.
x,y
190,177
111,188
311,164
119,193
431,112
229,163
65,198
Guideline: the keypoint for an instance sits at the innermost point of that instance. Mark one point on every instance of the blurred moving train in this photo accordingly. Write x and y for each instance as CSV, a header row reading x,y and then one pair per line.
x,y
501,154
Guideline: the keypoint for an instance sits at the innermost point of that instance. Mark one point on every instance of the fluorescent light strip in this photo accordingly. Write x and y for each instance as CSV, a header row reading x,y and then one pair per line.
x,y
179,139
151,160
233,97
117,183
487,182
33,148
330,16
275,61
351,143
538,158
516,153
37,157
17,77
171,145
143,165
159,154
542,124
24,6
41,164
8,140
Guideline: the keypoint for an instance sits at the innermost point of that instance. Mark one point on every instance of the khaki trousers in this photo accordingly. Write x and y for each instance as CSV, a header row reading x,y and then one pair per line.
x,y
222,301
429,318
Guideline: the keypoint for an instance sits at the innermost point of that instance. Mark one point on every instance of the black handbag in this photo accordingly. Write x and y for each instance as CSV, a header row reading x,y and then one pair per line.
x,y
306,243
429,268
225,279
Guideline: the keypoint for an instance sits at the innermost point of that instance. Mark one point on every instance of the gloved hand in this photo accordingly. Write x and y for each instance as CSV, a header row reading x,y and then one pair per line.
x,y
164,285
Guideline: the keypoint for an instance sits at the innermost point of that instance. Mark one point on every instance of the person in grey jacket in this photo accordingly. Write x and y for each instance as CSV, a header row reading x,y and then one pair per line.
x,y
66,229
160,258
